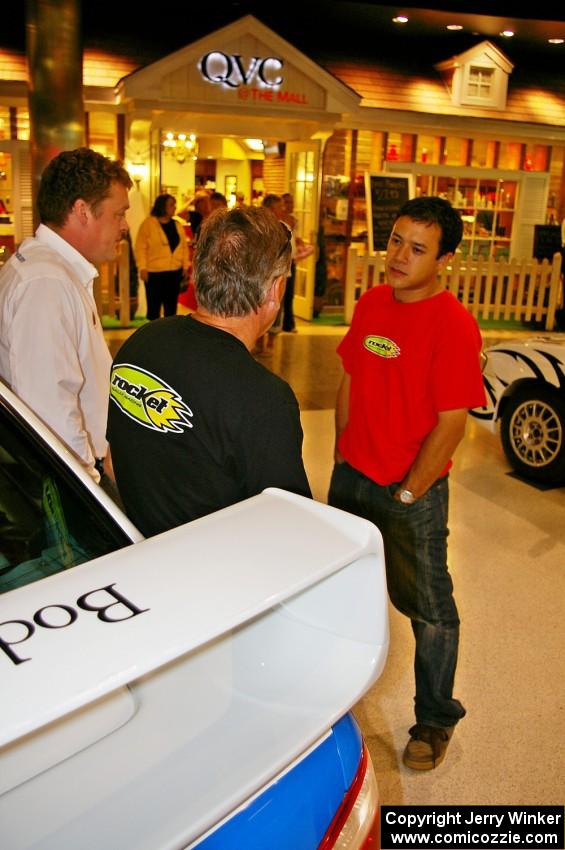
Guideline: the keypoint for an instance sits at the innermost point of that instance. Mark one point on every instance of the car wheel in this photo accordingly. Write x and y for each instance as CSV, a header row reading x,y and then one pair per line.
x,y
533,434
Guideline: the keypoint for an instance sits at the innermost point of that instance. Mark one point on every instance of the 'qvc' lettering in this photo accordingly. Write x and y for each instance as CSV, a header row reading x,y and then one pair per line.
x,y
229,70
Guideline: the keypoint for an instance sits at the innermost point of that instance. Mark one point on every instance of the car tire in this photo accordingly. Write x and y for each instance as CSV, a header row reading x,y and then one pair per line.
x,y
533,434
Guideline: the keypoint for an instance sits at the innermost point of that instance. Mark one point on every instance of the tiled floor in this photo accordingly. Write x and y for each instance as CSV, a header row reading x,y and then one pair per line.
x,y
507,557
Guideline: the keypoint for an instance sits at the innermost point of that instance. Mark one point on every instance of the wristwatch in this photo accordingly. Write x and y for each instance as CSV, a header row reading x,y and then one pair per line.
x,y
407,497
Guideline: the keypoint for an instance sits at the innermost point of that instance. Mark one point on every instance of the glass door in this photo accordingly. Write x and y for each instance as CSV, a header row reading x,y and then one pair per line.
x,y
302,166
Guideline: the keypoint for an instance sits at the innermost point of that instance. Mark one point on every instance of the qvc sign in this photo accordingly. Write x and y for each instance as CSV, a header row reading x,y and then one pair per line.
x,y
231,70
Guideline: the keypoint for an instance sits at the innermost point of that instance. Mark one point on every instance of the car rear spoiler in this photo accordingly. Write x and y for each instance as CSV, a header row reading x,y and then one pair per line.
x,y
70,639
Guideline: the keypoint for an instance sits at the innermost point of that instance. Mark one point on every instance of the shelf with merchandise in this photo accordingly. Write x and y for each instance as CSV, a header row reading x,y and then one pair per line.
x,y
487,207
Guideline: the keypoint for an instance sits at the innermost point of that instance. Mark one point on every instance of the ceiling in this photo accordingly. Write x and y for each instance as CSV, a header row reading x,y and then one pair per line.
x,y
324,28
366,30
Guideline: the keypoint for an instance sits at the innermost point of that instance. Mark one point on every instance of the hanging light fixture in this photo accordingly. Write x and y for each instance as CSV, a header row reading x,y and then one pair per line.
x,y
180,146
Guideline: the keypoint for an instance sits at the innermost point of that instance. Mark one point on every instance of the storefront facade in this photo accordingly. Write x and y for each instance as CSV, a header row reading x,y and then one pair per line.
x,y
258,109
244,112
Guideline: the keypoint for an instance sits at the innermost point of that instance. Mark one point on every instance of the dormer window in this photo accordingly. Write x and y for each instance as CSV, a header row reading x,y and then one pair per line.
x,y
478,77
480,82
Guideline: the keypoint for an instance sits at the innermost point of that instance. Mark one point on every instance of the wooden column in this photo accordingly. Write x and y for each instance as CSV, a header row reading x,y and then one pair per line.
x,y
54,54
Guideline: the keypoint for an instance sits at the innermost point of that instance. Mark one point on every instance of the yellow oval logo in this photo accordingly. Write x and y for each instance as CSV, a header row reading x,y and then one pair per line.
x,y
382,346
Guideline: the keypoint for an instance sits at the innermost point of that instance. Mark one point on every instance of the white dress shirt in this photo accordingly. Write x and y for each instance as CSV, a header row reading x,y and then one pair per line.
x,y
52,350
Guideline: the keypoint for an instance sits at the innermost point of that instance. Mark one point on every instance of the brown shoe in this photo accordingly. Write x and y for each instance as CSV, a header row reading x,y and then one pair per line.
x,y
427,746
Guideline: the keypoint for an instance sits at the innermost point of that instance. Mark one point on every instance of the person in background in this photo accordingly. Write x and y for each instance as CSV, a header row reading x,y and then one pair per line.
x,y
217,201
300,250
288,323
288,216
196,210
188,298
161,253
274,203
411,373
211,424
320,274
52,350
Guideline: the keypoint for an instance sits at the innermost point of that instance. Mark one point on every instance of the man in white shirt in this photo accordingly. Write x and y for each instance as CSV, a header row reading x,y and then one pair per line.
x,y
52,350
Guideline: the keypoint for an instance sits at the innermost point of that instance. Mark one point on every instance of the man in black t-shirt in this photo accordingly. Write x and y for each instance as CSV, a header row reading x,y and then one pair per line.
x,y
195,423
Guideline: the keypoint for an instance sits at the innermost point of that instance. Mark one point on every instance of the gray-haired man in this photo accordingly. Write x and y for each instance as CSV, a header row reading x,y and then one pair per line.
x,y
195,423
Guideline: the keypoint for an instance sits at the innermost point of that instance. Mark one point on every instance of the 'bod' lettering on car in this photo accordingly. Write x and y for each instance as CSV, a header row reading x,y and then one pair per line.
x,y
50,617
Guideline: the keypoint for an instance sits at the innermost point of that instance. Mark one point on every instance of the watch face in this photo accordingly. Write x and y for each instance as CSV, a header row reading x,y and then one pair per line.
x,y
407,497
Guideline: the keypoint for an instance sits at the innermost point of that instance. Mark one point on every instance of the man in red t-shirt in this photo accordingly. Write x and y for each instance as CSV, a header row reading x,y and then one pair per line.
x,y
411,372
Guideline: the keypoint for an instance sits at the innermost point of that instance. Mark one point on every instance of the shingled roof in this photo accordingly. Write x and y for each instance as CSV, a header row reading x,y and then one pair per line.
x,y
100,68
532,97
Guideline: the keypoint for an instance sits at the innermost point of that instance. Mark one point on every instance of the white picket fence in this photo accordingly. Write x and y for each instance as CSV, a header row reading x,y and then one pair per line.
x,y
527,290
112,287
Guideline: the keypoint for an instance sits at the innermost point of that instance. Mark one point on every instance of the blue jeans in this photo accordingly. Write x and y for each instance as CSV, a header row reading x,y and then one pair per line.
x,y
419,584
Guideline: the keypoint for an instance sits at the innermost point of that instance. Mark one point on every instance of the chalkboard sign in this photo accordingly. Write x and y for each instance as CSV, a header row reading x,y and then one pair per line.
x,y
547,241
385,194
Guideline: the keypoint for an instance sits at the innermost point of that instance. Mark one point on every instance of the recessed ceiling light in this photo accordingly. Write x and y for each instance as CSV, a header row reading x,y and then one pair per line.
x,y
556,40
507,33
255,144
454,27
400,19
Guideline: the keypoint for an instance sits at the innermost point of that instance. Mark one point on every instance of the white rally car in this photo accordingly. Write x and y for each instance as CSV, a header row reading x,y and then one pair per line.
x,y
525,387
186,691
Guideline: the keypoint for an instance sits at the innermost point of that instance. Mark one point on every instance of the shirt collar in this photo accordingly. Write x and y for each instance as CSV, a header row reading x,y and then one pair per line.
x,y
84,269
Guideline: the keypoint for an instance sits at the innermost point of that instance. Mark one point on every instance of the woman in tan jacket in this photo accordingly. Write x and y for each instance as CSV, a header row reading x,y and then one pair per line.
x,y
161,253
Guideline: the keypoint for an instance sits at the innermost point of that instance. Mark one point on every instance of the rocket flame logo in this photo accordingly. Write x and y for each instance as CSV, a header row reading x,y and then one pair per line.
x,y
148,400
382,346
